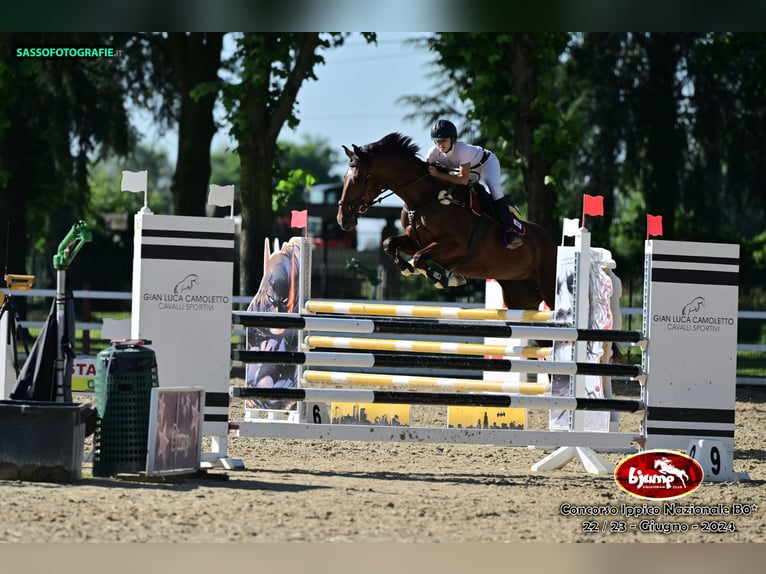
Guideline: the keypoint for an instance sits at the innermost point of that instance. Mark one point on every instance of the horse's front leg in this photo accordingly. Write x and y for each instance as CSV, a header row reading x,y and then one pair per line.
x,y
403,243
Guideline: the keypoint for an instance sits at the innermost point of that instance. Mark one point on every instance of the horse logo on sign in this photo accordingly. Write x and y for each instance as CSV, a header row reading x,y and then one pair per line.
x,y
186,284
693,306
667,467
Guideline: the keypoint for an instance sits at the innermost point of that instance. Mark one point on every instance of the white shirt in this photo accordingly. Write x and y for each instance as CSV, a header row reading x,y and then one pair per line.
x,y
460,153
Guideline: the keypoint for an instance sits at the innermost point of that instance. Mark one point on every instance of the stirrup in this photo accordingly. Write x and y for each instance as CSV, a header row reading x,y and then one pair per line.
x,y
512,239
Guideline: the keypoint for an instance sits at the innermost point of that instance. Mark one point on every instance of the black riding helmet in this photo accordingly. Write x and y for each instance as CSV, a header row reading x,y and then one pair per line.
x,y
443,129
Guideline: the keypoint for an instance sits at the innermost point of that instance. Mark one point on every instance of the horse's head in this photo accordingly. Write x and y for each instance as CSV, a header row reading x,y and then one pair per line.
x,y
389,163
357,194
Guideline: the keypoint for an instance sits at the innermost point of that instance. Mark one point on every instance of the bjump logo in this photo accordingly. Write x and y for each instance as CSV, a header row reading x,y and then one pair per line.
x,y
659,474
186,284
693,306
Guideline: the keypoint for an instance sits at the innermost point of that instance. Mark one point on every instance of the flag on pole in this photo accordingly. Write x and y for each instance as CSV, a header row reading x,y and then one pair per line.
x,y
134,181
300,219
592,205
653,226
571,227
222,196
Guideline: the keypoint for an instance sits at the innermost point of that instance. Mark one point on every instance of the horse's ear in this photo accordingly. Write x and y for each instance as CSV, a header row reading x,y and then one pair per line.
x,y
357,150
349,153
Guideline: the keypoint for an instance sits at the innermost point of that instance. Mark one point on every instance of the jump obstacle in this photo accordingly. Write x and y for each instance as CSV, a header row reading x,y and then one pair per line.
x,y
423,382
183,271
528,351
431,327
425,311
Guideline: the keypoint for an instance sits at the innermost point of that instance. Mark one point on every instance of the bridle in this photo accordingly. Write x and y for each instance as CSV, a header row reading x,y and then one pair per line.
x,y
361,204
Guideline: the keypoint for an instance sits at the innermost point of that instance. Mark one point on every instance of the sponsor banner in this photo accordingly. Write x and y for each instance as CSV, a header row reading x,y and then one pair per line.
x,y
84,375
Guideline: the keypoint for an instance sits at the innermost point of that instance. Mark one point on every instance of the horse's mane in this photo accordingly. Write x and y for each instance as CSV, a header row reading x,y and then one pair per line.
x,y
393,143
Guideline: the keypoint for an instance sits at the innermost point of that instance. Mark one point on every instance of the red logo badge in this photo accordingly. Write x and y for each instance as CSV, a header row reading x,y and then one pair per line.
x,y
658,474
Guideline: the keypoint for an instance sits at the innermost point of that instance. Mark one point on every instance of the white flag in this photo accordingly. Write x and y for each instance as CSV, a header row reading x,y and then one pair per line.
x,y
571,227
221,195
134,181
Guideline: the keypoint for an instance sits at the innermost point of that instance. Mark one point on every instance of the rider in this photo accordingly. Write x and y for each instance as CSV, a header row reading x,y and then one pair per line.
x,y
464,158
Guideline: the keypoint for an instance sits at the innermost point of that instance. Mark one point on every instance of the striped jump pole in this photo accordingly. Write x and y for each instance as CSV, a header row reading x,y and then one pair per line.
x,y
432,327
497,400
424,311
529,352
419,361
432,383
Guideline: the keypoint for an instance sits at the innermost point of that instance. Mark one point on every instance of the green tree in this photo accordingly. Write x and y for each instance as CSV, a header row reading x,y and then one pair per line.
x,y
312,155
176,75
272,67
510,83
55,114
224,165
106,262
672,118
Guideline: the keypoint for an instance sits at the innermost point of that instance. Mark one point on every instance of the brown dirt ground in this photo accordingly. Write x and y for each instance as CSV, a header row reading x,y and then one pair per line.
x,y
319,491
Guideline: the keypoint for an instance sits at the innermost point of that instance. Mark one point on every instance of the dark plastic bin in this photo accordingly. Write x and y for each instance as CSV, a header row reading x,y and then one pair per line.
x,y
42,441
125,376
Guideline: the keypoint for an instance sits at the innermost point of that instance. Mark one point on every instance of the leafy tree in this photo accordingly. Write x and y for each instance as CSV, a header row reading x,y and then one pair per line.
x,y
176,76
106,262
224,168
55,114
674,128
271,69
311,155
511,83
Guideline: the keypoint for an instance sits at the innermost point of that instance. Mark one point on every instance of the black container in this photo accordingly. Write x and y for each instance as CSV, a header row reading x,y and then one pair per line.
x,y
125,376
42,441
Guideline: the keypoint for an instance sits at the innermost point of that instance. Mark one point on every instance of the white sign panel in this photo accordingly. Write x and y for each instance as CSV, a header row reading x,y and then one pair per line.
x,y
182,303
691,323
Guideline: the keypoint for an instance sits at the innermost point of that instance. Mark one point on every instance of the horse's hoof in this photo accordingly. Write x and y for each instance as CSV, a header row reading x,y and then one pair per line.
x,y
456,280
406,272
438,285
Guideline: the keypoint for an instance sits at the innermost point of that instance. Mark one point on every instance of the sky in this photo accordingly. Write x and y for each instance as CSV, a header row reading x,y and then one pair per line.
x,y
353,100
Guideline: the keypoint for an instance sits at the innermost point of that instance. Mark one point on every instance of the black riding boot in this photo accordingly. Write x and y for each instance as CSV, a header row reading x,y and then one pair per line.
x,y
510,224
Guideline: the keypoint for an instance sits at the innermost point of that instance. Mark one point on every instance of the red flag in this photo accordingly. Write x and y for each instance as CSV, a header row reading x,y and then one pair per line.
x,y
592,204
300,219
653,226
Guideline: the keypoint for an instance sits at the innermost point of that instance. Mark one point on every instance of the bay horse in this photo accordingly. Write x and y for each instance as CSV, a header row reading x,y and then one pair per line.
x,y
442,224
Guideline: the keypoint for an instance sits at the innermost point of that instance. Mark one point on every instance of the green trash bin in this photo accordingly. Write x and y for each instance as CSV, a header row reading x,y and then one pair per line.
x,y
125,375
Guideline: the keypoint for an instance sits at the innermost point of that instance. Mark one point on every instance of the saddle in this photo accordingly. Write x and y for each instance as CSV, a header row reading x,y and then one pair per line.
x,y
477,199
